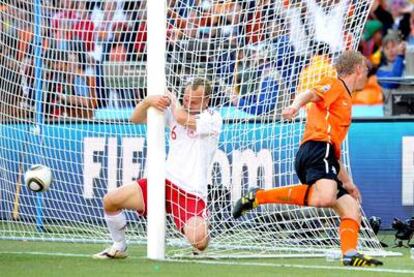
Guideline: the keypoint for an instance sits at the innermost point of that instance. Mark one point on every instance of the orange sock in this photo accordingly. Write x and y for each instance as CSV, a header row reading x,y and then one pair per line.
x,y
294,195
348,233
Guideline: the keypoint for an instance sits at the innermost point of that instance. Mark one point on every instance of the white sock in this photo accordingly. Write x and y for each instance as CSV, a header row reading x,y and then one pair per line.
x,y
116,225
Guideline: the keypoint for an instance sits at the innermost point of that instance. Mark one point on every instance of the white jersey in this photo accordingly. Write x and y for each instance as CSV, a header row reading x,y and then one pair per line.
x,y
191,151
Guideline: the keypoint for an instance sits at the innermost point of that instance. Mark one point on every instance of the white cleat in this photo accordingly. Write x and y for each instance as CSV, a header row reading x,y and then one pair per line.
x,y
111,253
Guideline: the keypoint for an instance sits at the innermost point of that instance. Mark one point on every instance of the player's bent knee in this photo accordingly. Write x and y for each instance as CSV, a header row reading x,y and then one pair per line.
x,y
200,239
107,203
196,232
323,194
110,202
202,244
328,202
125,197
323,201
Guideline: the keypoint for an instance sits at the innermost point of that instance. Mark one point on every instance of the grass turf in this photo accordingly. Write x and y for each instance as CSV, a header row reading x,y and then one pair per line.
x,y
23,258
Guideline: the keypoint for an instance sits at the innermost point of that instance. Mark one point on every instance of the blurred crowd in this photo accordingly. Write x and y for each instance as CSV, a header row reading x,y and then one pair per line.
x,y
258,53
77,39
387,42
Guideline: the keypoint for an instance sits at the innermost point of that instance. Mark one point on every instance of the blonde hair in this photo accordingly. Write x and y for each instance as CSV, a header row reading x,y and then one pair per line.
x,y
346,62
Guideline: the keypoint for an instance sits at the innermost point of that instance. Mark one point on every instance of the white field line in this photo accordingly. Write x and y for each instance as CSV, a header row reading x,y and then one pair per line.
x,y
215,262
57,254
345,268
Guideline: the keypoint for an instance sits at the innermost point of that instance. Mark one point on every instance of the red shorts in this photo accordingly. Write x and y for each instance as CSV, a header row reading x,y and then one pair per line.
x,y
180,204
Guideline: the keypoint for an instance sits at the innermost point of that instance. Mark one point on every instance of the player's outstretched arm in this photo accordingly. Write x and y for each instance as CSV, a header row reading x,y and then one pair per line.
x,y
160,102
302,99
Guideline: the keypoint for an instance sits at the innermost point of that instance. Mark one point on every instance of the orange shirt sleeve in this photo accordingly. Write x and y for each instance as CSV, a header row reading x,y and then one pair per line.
x,y
325,90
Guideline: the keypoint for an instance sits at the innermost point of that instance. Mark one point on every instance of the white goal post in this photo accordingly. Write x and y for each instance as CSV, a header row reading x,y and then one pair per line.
x,y
156,24
99,58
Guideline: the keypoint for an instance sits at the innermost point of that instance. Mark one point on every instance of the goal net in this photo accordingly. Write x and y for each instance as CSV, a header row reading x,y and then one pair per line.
x,y
72,70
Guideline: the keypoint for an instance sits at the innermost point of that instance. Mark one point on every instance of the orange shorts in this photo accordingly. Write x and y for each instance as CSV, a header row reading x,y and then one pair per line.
x,y
180,204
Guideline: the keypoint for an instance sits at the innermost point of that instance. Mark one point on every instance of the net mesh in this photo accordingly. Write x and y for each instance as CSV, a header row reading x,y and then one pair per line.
x,y
72,71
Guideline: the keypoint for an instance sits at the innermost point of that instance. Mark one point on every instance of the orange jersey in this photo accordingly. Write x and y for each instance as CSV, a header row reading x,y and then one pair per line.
x,y
329,119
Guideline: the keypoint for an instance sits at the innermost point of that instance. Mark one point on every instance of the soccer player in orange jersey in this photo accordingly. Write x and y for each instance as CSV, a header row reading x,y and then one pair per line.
x,y
324,180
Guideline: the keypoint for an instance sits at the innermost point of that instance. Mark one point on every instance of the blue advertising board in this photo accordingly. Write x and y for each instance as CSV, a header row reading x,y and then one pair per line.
x,y
89,159
382,163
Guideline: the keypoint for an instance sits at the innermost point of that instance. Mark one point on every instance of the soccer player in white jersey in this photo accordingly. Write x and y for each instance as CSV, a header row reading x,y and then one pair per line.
x,y
194,134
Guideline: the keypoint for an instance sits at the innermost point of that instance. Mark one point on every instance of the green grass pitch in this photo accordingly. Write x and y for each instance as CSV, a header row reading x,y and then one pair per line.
x,y
27,258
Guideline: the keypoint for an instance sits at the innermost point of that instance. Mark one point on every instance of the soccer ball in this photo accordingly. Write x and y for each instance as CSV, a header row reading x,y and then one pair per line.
x,y
38,178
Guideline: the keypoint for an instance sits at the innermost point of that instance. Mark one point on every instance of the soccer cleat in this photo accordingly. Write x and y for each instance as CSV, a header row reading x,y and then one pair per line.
x,y
360,260
247,202
111,253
